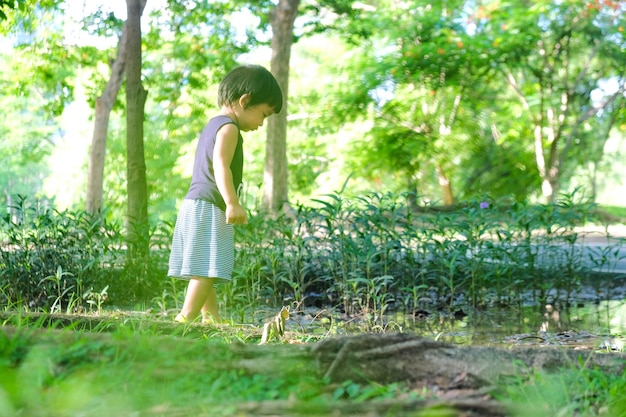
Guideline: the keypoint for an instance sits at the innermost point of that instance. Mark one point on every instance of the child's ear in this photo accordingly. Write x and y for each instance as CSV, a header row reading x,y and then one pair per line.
x,y
244,100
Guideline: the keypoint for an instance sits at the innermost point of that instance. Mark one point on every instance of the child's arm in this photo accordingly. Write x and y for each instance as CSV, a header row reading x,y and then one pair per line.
x,y
225,145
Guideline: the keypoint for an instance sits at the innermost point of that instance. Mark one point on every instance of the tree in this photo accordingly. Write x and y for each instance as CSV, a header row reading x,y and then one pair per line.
x,y
432,80
137,215
275,191
410,76
103,106
37,83
26,139
281,17
190,50
557,54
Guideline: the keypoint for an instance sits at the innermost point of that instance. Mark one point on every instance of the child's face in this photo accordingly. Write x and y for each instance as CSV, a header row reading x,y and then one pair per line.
x,y
252,118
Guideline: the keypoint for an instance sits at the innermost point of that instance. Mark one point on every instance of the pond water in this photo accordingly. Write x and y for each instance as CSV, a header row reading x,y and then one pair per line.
x,y
592,317
592,325
584,322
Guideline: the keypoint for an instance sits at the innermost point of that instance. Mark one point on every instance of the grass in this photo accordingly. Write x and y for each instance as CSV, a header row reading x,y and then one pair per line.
x,y
586,392
126,373
122,364
103,365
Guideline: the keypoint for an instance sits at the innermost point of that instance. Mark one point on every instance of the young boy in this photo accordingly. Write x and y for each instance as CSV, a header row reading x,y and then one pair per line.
x,y
203,249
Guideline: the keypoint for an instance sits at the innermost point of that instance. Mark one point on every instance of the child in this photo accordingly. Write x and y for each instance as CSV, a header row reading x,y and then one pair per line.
x,y
203,249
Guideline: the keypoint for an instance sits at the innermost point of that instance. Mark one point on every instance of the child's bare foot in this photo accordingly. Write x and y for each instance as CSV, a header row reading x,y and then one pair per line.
x,y
180,318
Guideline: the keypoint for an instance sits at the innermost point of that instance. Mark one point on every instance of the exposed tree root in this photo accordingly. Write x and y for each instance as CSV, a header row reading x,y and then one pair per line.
x,y
401,357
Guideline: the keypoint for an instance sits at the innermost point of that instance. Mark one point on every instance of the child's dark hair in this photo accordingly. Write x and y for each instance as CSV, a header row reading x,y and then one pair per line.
x,y
254,80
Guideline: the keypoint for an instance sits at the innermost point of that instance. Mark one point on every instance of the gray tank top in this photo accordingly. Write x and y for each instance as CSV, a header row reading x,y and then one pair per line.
x,y
203,186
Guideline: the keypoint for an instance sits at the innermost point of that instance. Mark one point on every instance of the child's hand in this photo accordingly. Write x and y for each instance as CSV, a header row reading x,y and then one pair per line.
x,y
235,214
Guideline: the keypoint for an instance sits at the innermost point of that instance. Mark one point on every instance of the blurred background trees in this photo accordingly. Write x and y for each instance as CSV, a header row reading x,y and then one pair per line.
x,y
447,101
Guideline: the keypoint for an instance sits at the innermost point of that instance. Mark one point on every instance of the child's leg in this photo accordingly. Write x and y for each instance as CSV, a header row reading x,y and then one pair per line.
x,y
198,293
209,308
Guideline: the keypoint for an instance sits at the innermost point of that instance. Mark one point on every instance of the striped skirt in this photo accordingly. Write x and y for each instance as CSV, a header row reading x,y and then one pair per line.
x,y
203,244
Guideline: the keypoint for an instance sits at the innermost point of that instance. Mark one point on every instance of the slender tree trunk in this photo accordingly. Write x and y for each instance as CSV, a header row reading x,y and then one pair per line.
x,y
446,187
546,187
10,208
137,208
412,192
275,191
550,167
104,105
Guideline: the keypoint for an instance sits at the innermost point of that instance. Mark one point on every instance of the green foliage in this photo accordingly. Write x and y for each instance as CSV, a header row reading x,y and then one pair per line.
x,y
358,392
64,261
26,138
45,258
561,79
369,255
366,257
136,368
420,89
47,66
471,91
6,4
200,47
617,400
612,214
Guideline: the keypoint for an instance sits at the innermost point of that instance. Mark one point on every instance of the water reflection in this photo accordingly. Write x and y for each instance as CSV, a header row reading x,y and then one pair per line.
x,y
586,325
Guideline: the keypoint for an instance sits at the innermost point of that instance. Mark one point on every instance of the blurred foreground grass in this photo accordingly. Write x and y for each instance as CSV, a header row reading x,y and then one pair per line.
x,y
141,368
132,371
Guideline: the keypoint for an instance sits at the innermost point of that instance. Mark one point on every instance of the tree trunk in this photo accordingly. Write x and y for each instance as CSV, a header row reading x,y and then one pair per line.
x,y
412,192
137,208
275,191
10,209
446,187
104,105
